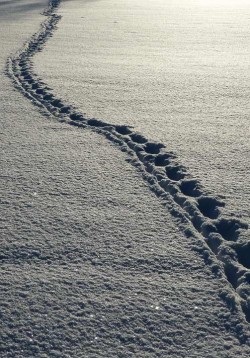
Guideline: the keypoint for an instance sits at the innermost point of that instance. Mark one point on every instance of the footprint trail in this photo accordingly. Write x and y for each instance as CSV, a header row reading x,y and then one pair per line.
x,y
225,237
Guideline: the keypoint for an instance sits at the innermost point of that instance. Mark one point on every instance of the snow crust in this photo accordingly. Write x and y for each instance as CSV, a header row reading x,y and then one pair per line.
x,y
176,71
93,263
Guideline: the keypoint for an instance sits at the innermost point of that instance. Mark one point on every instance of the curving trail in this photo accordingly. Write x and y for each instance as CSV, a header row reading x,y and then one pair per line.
x,y
160,168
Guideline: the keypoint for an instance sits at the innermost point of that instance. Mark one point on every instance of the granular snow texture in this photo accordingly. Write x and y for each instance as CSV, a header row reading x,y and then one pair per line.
x,y
92,262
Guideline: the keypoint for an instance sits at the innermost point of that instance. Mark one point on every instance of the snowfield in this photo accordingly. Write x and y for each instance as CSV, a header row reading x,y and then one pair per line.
x,y
178,71
113,244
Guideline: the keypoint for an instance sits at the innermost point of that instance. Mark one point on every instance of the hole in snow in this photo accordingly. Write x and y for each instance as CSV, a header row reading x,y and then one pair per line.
x,y
175,173
190,188
230,228
153,148
209,207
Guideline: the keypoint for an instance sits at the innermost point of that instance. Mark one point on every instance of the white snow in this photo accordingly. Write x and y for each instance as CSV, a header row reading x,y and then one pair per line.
x,y
177,71
92,262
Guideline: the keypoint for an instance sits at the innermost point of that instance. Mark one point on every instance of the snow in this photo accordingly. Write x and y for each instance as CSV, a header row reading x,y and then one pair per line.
x,y
94,264
178,72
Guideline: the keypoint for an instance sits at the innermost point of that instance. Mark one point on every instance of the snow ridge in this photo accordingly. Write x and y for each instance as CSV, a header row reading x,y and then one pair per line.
x,y
225,237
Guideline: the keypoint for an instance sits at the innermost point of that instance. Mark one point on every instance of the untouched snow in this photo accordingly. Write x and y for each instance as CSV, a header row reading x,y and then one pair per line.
x,y
92,262
178,71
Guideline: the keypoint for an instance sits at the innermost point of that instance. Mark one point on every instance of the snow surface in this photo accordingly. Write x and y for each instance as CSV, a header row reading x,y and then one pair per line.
x,y
93,263
177,71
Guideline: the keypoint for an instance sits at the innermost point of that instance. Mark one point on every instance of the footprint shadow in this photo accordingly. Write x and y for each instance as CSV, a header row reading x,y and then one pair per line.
x,y
210,207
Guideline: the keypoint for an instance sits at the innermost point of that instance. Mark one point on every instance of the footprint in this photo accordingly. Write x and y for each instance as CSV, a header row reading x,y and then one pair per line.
x,y
40,91
31,81
153,148
161,160
96,123
138,138
35,86
57,103
76,117
124,130
209,206
175,173
65,109
48,97
190,187
230,228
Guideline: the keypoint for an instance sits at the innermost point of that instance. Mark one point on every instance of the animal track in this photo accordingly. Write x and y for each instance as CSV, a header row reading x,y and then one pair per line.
x,y
124,130
153,148
209,207
190,187
138,138
175,173
159,167
230,228
162,160
243,253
